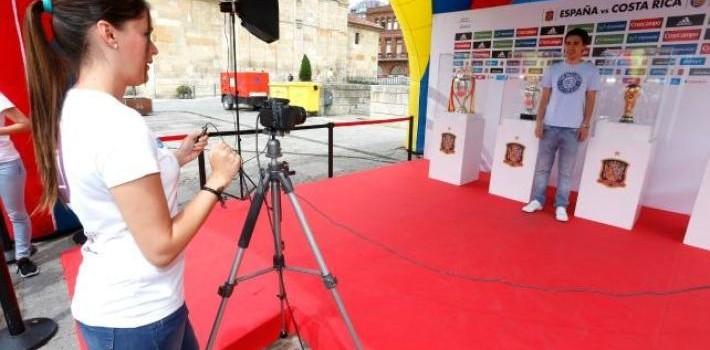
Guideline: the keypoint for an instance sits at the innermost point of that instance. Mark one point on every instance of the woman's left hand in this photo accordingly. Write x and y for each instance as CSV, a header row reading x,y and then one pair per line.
x,y
192,145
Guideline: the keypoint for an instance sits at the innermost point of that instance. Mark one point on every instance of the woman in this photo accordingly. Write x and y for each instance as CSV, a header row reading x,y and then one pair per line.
x,y
121,183
12,186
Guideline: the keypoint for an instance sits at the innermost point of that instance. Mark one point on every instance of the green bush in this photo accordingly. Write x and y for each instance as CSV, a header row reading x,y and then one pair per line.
x,y
184,91
305,73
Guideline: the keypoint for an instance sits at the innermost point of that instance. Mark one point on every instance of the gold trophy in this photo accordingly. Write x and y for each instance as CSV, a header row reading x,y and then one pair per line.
x,y
631,95
531,91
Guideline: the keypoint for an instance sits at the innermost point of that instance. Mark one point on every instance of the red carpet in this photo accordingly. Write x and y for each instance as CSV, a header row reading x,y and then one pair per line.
x,y
472,272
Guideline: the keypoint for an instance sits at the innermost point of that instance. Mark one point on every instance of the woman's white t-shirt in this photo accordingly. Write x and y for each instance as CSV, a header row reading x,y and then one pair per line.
x,y
105,144
7,149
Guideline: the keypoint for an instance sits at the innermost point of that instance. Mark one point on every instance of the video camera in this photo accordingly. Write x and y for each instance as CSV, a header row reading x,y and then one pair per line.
x,y
277,115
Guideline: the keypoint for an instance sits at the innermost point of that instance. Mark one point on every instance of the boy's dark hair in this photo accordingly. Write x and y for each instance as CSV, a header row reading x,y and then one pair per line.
x,y
581,33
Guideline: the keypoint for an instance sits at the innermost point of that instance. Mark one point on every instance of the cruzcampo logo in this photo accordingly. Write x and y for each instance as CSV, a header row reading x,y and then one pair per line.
x,y
609,39
483,35
588,27
502,44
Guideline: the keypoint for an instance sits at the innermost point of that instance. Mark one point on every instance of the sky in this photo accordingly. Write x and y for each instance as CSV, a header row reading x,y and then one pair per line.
x,y
354,2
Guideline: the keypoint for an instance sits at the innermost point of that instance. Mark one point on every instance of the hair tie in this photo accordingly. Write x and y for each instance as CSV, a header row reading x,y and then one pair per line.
x,y
47,6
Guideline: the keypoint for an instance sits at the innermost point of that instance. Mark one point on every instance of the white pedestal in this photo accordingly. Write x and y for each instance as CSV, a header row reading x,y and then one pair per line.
x,y
458,164
607,194
512,173
698,233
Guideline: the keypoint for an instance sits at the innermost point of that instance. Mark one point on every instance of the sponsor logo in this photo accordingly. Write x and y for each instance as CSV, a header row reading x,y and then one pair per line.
x,y
658,71
646,23
707,34
623,62
692,61
697,3
604,62
699,71
478,45
685,21
478,70
678,50
481,54
483,35
502,44
492,63
535,70
501,77
461,55
705,49
640,51
496,70
512,70
524,53
476,63
462,46
526,43
551,62
526,31
548,15
463,36
504,33
682,35
480,77
458,63
663,62
638,38
588,27
501,54
606,71
550,53
606,51
557,41
611,26
609,39
553,30
636,71
675,81
529,63
513,63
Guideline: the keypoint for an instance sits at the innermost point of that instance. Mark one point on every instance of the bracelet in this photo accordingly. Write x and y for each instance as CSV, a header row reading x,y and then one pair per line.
x,y
220,197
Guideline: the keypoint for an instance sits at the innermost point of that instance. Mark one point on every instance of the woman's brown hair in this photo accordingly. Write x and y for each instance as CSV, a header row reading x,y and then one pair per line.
x,y
51,65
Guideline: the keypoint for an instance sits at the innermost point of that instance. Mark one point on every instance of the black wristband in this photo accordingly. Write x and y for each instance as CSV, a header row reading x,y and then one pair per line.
x,y
219,195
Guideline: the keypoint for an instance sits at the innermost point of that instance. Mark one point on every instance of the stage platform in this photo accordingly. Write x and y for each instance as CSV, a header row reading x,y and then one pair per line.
x,y
422,264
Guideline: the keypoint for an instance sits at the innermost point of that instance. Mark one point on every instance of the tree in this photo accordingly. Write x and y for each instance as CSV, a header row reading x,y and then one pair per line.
x,y
305,73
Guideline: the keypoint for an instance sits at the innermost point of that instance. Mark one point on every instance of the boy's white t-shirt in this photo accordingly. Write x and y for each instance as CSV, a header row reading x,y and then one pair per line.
x,y
7,149
105,144
569,84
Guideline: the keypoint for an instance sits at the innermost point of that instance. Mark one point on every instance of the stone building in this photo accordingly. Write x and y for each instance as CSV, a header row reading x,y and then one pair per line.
x,y
363,45
393,52
192,38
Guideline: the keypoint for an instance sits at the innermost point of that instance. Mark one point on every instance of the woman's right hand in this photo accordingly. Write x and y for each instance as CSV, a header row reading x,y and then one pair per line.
x,y
225,163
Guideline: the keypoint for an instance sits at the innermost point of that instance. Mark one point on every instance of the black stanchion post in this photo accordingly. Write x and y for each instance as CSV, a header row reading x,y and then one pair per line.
x,y
409,140
19,335
330,149
5,241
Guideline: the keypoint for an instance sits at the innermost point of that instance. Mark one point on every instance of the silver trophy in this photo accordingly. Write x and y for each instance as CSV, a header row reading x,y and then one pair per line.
x,y
531,92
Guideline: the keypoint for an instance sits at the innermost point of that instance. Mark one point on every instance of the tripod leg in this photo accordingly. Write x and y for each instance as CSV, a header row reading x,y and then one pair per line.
x,y
329,280
279,259
225,291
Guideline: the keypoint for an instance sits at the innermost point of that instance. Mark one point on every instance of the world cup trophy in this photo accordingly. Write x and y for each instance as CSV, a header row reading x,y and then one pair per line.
x,y
531,91
631,95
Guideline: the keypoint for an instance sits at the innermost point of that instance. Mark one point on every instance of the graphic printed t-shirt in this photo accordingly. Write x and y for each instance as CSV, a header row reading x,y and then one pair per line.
x,y
105,144
569,84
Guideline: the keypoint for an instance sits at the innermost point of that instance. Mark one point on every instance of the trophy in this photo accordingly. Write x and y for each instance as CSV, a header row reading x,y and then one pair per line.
x,y
531,91
631,95
462,91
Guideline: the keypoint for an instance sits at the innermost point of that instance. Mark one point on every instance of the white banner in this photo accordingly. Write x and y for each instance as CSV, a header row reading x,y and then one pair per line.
x,y
666,42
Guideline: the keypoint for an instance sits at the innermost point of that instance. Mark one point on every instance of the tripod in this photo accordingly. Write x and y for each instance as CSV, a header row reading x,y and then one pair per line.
x,y
276,178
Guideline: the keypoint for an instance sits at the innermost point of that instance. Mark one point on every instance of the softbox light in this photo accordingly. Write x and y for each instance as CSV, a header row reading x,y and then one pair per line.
x,y
259,17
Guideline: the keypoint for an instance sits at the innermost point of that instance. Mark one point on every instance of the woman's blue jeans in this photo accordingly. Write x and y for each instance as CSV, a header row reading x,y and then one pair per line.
x,y
554,139
12,194
174,332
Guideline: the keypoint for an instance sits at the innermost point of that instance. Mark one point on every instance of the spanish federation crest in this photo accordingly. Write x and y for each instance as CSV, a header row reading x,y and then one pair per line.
x,y
448,143
613,173
514,153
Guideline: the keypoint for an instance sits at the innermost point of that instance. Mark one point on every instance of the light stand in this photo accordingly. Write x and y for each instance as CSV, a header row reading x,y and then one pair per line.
x,y
276,179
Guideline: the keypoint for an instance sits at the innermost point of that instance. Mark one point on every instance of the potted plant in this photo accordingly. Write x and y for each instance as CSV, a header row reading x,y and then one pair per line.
x,y
184,91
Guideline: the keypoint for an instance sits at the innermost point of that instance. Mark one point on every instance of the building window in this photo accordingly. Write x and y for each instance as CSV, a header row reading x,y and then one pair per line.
x,y
388,46
299,23
396,25
399,47
357,38
389,24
